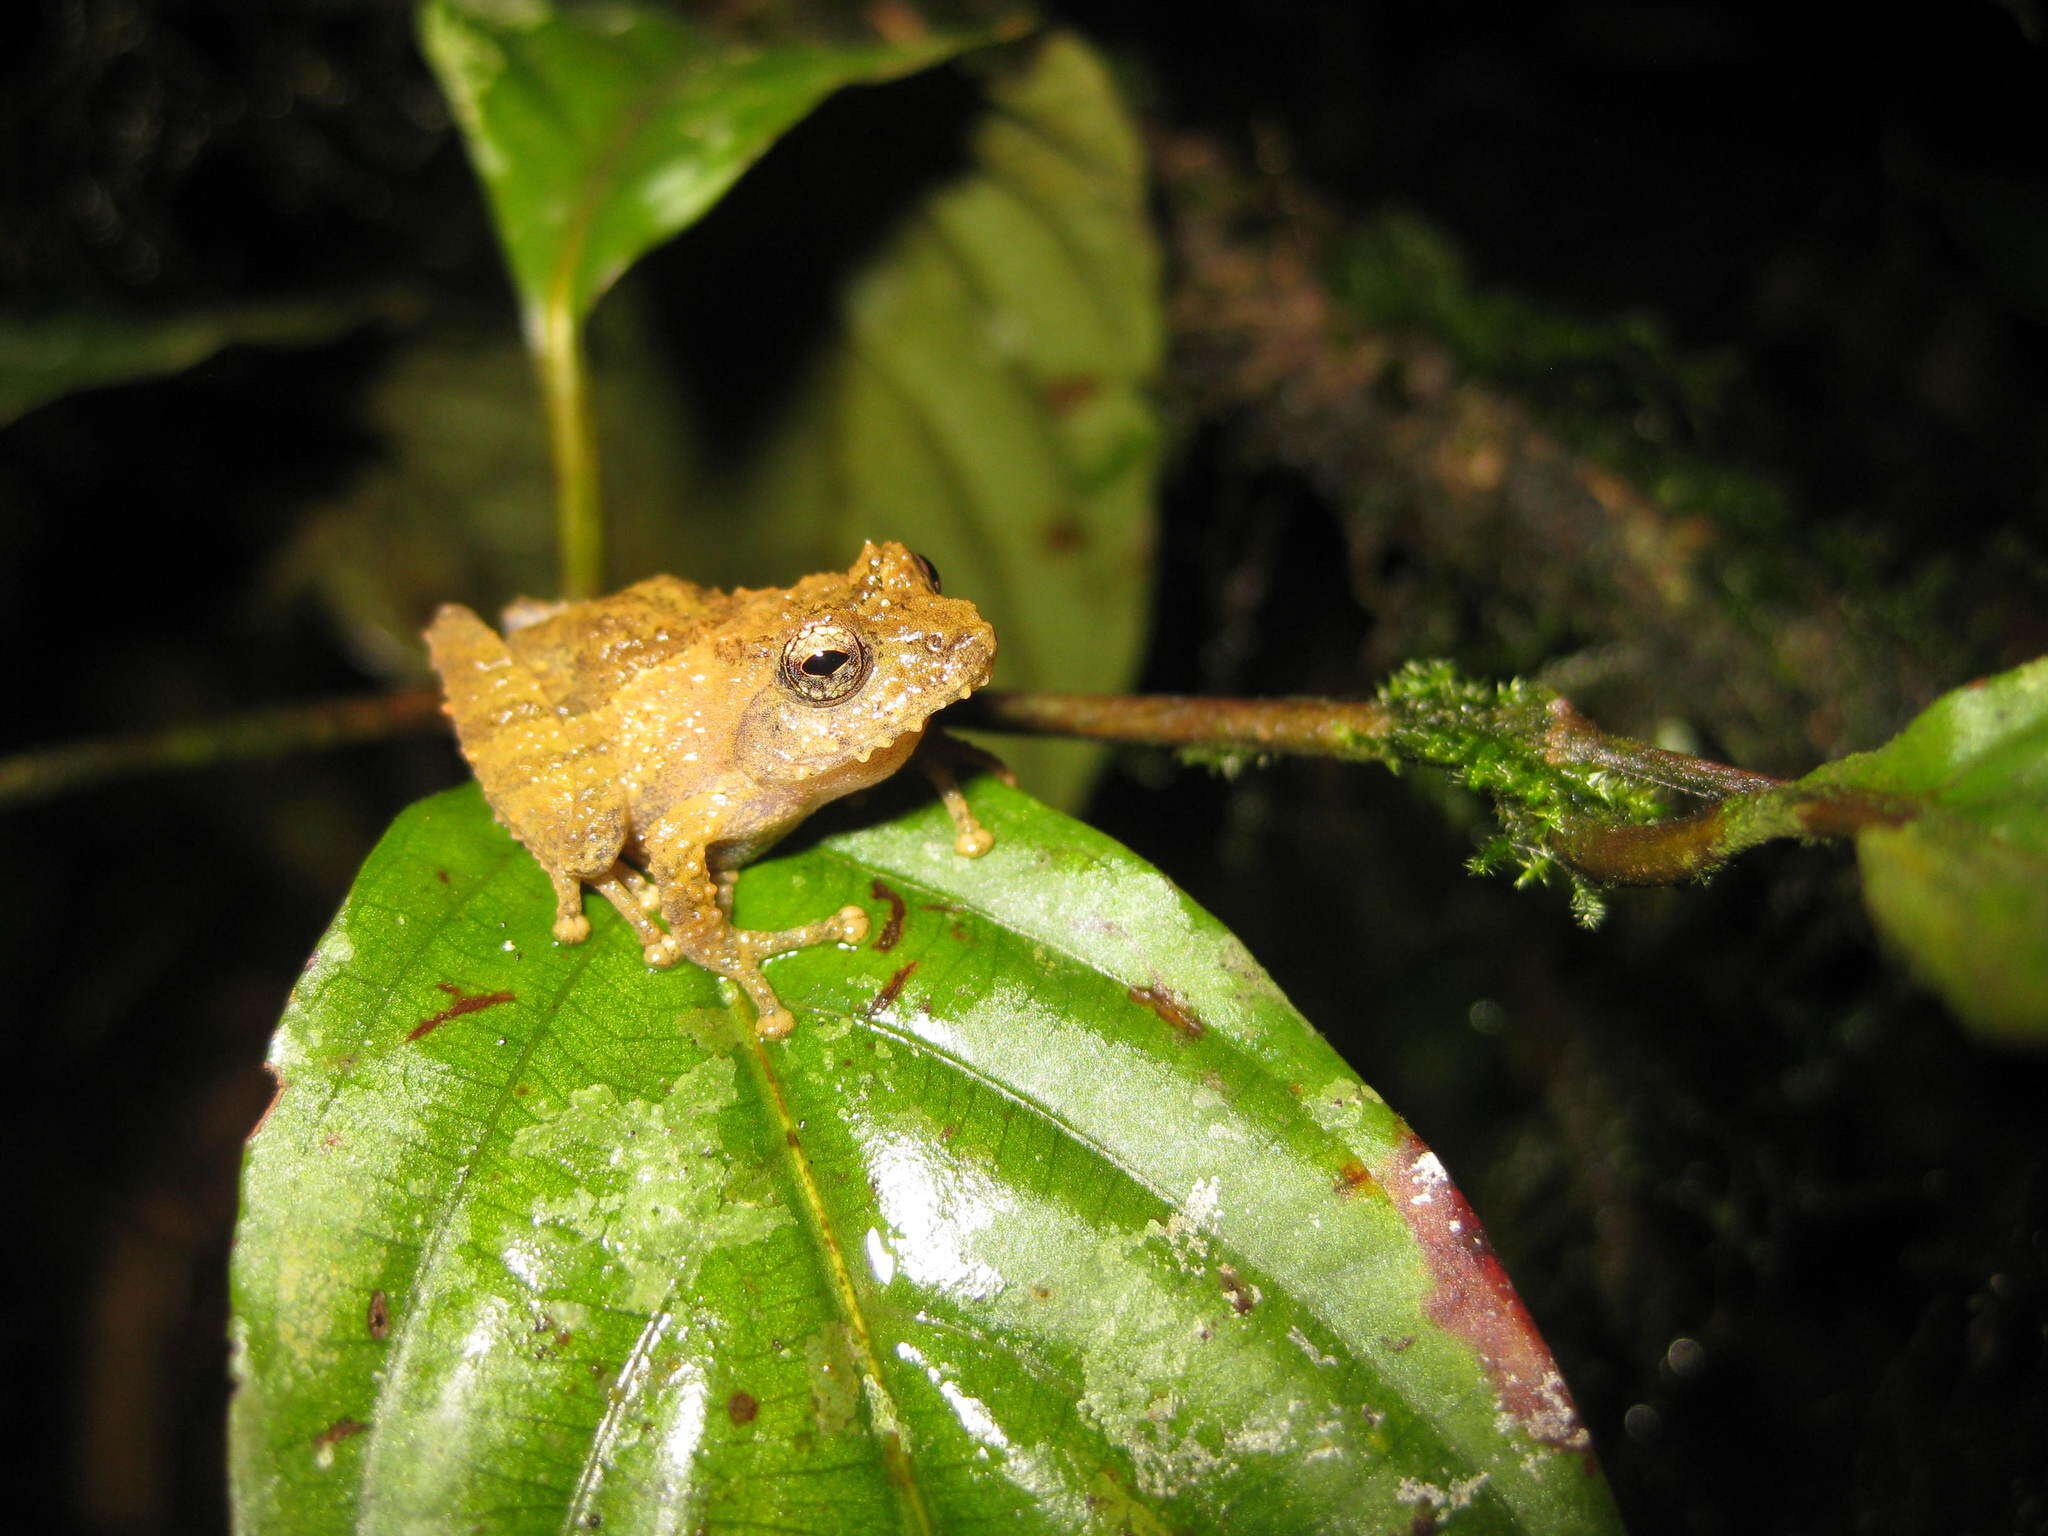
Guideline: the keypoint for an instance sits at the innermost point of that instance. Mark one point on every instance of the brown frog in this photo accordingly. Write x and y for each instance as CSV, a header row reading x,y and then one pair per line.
x,y
681,730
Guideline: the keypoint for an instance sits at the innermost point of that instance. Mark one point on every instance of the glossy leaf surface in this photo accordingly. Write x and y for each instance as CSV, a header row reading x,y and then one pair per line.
x,y
1051,1214
1954,849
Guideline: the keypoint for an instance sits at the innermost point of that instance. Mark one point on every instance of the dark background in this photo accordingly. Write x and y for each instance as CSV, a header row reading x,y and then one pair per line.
x,y
1786,1228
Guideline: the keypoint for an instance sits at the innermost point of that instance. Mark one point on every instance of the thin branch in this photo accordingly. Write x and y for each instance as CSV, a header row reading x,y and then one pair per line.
x,y
1573,738
1351,729
1614,850
45,772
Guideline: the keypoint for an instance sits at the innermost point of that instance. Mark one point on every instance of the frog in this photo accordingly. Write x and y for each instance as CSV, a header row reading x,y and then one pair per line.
x,y
648,744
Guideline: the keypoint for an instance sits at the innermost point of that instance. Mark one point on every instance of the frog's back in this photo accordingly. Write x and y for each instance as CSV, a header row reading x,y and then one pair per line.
x,y
584,653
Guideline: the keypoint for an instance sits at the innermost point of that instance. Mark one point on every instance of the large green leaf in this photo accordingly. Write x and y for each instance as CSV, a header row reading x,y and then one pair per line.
x,y
1951,824
601,130
1050,1213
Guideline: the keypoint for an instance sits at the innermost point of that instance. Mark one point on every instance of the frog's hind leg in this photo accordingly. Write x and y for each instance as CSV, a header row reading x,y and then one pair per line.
x,y
571,926
547,780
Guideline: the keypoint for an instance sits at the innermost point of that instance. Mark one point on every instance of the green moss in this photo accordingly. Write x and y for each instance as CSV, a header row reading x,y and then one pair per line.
x,y
1492,738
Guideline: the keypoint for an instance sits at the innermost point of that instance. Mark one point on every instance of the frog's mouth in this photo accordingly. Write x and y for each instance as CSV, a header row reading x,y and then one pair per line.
x,y
891,742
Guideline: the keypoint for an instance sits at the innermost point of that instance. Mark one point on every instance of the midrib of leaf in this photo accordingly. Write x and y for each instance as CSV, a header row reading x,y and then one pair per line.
x,y
560,298
845,1294
558,345
910,1504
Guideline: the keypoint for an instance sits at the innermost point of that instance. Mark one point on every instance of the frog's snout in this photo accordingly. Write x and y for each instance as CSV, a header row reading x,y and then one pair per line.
x,y
975,651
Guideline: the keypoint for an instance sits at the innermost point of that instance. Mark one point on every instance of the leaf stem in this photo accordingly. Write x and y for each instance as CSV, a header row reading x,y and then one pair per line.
x,y
579,522
45,772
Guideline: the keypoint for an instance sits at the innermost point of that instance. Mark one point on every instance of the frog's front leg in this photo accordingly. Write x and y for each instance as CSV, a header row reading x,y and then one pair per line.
x,y
678,857
938,755
642,888
626,890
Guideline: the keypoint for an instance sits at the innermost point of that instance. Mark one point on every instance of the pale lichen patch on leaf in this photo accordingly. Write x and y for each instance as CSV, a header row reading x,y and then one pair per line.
x,y
652,1184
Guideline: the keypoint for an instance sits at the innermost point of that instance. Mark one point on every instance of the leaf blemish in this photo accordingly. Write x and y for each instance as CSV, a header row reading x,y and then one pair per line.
x,y
463,1002
1064,393
1353,1177
742,1407
378,1319
328,1438
441,875
891,989
275,1094
1169,1008
1243,1295
1471,1298
892,926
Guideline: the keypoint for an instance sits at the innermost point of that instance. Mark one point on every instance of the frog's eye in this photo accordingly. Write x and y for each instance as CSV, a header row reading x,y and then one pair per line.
x,y
824,663
931,572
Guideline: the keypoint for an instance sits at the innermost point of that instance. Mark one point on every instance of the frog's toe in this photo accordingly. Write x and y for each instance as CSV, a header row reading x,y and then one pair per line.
x,y
571,928
774,1023
853,924
973,841
641,888
663,952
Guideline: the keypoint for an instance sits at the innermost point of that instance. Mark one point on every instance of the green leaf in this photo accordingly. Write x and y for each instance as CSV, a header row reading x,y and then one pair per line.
x,y
978,389
455,506
1951,822
599,131
45,357
1051,1212
602,130
983,395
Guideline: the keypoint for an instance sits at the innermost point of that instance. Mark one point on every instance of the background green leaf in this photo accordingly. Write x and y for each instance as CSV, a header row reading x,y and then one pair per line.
x,y
1051,1212
45,357
967,371
1955,860
982,393
601,130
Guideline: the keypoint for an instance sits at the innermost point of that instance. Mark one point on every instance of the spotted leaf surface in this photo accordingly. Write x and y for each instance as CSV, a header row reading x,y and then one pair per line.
x,y
1052,1213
